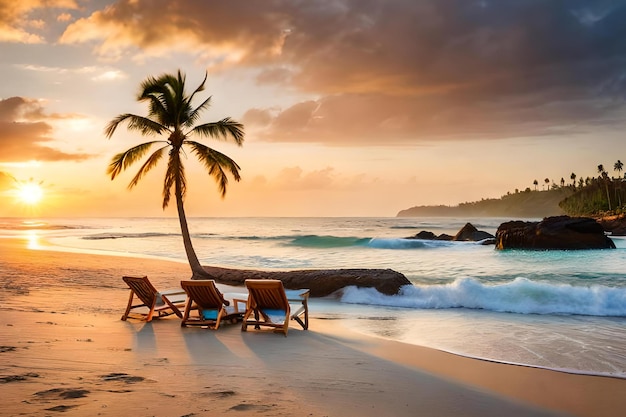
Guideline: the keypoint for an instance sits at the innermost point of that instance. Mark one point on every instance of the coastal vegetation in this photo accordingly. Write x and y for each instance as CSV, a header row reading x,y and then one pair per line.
x,y
171,114
599,196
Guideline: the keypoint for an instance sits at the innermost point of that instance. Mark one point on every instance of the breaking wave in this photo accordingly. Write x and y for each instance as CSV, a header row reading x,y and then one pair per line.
x,y
521,296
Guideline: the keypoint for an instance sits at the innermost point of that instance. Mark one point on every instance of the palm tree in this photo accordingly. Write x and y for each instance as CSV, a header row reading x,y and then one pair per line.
x,y
573,178
171,114
618,167
605,177
535,183
618,188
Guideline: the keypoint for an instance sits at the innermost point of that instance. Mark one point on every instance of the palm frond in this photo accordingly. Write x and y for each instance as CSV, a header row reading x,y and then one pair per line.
x,y
198,89
157,109
146,126
173,93
147,166
217,164
113,124
224,129
162,94
146,88
123,160
141,124
194,114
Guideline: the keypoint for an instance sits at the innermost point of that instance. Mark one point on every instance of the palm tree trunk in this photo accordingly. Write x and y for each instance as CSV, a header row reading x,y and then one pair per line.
x,y
198,272
608,196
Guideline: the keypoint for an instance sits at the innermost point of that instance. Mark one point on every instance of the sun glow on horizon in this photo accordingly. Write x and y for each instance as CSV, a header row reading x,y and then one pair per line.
x,y
30,193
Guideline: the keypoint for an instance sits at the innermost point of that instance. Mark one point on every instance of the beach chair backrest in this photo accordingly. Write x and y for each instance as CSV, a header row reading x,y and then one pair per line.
x,y
267,294
204,293
142,288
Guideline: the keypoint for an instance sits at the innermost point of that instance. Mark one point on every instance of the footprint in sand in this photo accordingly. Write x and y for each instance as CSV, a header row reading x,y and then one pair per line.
x,y
63,393
122,377
7,349
252,407
223,394
17,378
56,394
60,408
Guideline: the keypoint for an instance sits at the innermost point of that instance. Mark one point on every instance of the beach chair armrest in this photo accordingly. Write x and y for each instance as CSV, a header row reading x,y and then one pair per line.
x,y
172,291
237,301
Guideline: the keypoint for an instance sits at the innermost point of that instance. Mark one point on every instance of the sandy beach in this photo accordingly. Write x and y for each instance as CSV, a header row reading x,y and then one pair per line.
x,y
64,349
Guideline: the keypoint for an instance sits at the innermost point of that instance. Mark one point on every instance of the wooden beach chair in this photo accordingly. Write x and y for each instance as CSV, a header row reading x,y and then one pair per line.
x,y
204,297
268,302
162,303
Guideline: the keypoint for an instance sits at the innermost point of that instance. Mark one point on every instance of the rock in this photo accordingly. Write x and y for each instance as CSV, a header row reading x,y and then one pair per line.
x,y
467,233
470,233
616,225
559,232
425,235
321,282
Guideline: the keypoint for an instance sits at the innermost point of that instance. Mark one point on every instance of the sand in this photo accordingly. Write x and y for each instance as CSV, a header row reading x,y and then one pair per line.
x,y
64,349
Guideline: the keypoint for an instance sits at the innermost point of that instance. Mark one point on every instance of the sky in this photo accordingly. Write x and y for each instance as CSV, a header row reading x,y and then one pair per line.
x,y
350,107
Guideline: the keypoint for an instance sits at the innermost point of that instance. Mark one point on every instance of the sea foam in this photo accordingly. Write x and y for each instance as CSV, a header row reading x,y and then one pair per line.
x,y
519,296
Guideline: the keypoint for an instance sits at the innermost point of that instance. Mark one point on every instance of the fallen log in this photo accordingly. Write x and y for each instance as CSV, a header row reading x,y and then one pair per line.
x,y
321,282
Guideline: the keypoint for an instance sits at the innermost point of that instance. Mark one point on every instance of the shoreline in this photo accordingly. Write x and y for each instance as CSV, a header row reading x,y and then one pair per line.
x,y
55,306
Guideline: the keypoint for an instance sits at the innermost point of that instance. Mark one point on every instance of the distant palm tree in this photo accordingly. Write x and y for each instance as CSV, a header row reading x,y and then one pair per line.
x,y
171,114
618,187
535,183
605,178
573,178
618,167
581,182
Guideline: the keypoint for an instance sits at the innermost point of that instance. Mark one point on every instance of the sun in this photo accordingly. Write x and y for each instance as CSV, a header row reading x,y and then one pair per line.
x,y
30,193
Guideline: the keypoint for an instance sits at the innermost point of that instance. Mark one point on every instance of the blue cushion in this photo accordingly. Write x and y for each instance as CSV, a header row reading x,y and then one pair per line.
x,y
209,314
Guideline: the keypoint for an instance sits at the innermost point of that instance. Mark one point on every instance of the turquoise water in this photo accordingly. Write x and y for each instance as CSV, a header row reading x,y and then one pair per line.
x,y
555,309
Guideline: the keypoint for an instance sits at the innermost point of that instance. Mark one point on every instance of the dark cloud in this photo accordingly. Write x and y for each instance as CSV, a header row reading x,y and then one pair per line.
x,y
24,128
400,70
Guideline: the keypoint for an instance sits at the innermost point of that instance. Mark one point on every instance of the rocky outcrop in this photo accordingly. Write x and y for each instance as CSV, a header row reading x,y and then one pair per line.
x,y
425,235
470,233
559,232
615,225
321,282
467,233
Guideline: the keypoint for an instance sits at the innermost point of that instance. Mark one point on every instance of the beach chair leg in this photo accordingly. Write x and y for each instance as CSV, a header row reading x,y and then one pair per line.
x,y
129,306
172,306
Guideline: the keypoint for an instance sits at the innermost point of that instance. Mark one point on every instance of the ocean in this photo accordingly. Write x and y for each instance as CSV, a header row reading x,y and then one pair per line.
x,y
563,310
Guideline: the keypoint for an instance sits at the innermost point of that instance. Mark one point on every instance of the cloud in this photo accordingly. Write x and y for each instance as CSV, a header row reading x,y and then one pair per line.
x,y
397,71
237,32
18,22
257,117
24,127
111,75
294,178
100,73
7,181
